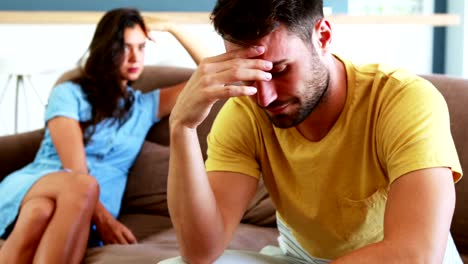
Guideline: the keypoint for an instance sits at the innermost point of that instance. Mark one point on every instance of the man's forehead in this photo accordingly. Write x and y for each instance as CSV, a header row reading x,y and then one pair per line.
x,y
277,49
276,39
266,40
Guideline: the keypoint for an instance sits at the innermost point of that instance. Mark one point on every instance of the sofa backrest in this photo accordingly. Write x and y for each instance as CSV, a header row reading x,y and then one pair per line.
x,y
455,92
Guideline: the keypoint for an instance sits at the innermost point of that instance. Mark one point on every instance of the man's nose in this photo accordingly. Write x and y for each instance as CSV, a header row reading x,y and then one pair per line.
x,y
266,93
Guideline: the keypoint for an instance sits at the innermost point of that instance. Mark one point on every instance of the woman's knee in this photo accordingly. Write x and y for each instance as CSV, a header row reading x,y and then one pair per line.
x,y
37,211
86,185
82,191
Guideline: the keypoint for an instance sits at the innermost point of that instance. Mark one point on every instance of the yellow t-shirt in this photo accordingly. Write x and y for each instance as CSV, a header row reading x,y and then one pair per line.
x,y
332,193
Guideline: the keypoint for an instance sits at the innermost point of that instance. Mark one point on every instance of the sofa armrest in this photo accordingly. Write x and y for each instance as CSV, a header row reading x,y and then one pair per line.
x,y
18,150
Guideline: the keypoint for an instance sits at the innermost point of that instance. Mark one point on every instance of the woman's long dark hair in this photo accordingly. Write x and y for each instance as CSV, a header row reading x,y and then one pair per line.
x,y
100,77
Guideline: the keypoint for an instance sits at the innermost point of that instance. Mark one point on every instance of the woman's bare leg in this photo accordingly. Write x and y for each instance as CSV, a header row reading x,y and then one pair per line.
x,y
75,197
65,239
21,245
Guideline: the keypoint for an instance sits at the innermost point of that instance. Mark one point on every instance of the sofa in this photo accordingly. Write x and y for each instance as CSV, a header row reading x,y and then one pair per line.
x,y
144,208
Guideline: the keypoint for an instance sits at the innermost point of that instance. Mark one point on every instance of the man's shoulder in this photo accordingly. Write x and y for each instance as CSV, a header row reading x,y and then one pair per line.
x,y
377,74
382,69
384,75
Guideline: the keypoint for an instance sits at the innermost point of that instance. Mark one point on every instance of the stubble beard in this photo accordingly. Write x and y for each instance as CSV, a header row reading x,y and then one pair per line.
x,y
315,91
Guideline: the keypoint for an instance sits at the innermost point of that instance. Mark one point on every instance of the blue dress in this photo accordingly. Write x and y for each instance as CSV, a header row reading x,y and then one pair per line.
x,y
109,154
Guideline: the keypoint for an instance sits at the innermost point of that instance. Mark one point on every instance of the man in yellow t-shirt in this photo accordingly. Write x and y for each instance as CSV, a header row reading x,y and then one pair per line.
x,y
359,160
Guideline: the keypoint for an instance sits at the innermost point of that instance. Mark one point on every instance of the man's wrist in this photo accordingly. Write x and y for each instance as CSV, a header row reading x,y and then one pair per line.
x,y
178,129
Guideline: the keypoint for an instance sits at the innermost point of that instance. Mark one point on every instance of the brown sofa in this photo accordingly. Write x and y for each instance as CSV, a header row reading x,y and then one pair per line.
x,y
144,207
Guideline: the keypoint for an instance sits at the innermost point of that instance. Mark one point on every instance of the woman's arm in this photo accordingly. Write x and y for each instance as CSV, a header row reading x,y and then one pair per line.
x,y
188,40
195,49
67,138
167,99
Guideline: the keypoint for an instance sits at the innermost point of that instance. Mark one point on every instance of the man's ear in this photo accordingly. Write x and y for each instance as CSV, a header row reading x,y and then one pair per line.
x,y
322,35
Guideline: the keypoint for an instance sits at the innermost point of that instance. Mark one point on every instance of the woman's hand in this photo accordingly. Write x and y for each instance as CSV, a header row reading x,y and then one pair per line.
x,y
114,232
158,24
110,229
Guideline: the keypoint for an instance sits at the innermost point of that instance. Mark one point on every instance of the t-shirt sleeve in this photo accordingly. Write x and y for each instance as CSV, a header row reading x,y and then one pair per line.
x,y
414,129
150,101
232,144
64,100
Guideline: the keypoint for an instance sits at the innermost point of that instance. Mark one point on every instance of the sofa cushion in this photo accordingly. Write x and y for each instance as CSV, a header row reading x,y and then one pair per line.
x,y
146,186
145,225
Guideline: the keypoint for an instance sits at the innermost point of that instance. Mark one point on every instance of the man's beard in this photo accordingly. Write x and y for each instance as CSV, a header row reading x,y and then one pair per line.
x,y
314,93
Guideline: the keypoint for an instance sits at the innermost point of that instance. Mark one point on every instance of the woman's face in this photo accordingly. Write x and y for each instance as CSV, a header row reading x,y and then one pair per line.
x,y
134,53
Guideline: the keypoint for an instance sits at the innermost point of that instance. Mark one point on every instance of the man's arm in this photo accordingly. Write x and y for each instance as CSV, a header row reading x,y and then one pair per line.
x,y
206,208
417,221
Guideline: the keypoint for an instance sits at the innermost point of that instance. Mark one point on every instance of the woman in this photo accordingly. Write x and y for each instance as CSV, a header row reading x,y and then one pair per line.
x,y
95,127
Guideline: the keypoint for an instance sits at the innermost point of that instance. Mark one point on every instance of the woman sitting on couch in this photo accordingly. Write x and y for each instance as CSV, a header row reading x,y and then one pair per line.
x,y
70,195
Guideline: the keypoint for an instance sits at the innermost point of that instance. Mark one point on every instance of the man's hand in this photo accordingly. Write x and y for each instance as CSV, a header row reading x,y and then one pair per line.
x,y
110,229
214,79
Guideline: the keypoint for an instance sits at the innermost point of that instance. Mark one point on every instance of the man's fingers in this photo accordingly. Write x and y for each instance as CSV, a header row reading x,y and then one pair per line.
x,y
231,83
233,67
233,90
250,52
235,64
235,75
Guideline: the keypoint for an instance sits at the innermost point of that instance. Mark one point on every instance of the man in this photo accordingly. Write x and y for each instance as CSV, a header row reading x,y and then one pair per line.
x,y
358,160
